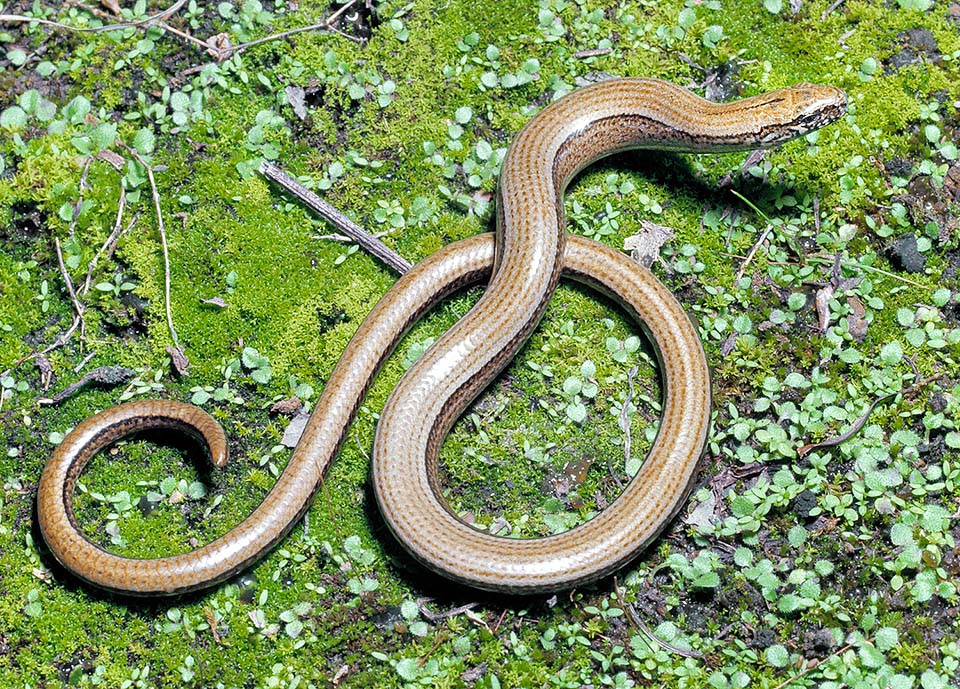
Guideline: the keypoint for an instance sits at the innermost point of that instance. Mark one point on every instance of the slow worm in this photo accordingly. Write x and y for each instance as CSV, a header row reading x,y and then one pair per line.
x,y
523,264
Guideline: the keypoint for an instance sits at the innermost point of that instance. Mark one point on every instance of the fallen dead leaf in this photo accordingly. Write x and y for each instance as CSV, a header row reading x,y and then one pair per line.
x,y
295,97
824,294
113,158
856,323
644,247
181,364
219,46
288,406
291,435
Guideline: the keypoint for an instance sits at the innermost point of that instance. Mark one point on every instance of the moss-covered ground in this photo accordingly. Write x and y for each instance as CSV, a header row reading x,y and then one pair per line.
x,y
823,277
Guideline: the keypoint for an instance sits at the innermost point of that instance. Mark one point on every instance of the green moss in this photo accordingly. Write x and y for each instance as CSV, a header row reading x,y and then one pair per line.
x,y
298,299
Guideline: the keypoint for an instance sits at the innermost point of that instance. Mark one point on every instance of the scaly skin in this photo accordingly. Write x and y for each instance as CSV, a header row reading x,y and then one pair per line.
x,y
526,259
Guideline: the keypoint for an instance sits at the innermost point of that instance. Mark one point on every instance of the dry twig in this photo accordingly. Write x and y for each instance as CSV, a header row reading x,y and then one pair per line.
x,y
370,243
79,204
753,251
110,244
163,241
624,422
77,306
437,616
635,618
862,419
834,5
105,375
815,664
159,16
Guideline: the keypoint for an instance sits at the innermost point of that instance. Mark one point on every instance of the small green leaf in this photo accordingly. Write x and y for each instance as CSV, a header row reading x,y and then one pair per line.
x,y
741,507
484,150
104,135
870,656
144,141
572,386
77,109
941,297
712,36
17,57
868,68
251,358
789,603
707,580
886,638
905,317
891,353
850,356
686,18
576,412
30,101
13,118
408,669
932,680
66,214
293,629
356,91
200,397
925,586
409,610
901,534
777,655
463,115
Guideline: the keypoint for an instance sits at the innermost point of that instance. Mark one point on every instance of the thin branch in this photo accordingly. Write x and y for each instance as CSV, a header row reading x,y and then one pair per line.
x,y
437,616
814,665
163,241
18,18
77,306
344,34
107,376
62,340
859,422
183,34
635,618
284,34
814,258
592,52
441,635
110,243
224,53
79,204
336,15
753,251
887,273
85,361
162,24
624,422
834,5
370,243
